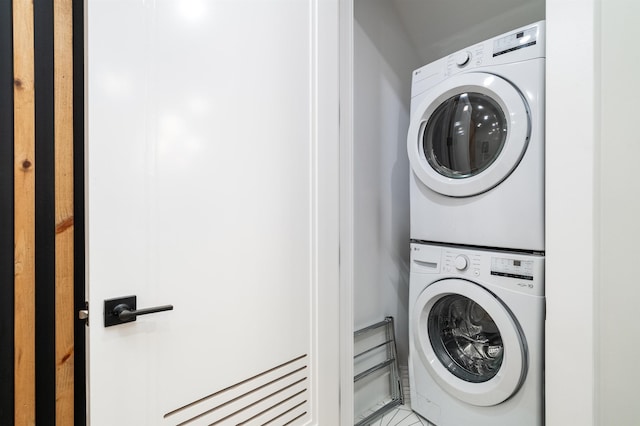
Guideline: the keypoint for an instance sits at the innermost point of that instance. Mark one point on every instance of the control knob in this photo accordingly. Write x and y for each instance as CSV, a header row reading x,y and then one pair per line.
x,y
462,59
461,262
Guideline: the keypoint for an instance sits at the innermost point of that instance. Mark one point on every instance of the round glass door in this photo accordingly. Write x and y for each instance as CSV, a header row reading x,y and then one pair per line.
x,y
464,135
465,338
469,342
468,134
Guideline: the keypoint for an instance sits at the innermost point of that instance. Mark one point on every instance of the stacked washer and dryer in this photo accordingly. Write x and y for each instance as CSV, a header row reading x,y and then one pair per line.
x,y
476,149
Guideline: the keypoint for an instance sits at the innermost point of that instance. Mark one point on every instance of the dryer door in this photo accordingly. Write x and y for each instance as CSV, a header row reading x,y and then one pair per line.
x,y
469,342
468,134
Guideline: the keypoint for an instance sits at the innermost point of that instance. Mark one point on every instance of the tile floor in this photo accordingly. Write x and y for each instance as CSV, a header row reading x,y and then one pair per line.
x,y
401,416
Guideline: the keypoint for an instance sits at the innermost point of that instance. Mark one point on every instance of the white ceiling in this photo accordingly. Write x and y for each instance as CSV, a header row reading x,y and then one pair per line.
x,y
440,27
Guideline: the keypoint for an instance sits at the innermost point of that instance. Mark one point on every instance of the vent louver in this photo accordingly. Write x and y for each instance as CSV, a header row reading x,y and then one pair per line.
x,y
275,397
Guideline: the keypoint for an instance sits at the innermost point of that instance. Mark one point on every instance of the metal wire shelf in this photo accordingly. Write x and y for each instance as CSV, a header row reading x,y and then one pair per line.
x,y
375,361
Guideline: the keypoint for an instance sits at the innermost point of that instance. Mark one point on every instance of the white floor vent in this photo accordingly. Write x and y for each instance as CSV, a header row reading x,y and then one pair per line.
x,y
275,397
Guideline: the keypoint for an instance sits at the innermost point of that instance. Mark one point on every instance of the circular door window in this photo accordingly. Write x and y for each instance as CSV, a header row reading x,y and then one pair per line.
x,y
465,338
469,342
468,134
464,135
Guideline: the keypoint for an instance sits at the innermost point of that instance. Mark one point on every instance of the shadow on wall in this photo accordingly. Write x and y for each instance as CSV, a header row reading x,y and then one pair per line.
x,y
384,60
399,237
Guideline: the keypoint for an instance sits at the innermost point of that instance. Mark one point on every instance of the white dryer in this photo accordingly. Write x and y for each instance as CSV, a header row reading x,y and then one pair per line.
x,y
476,331
476,144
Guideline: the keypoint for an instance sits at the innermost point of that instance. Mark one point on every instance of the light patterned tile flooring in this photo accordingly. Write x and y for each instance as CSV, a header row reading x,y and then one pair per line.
x,y
401,416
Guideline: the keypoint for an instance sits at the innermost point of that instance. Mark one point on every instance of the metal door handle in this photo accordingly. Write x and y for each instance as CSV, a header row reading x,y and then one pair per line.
x,y
125,313
122,310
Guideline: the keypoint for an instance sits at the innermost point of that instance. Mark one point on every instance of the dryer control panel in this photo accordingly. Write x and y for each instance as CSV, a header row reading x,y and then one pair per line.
x,y
521,44
514,41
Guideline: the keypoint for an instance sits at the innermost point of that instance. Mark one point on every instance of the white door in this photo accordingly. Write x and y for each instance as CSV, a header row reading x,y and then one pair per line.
x,y
212,186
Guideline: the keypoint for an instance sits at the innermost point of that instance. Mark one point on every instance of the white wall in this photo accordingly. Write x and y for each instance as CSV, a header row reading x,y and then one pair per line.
x,y
571,140
592,212
617,311
384,59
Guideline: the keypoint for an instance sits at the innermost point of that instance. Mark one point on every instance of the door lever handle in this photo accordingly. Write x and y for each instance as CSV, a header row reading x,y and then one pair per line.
x,y
122,310
125,313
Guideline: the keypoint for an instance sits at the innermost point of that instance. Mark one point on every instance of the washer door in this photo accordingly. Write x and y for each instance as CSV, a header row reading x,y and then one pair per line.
x,y
469,342
468,134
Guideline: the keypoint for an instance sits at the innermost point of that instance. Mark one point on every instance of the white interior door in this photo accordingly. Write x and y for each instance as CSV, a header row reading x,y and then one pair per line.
x,y
212,187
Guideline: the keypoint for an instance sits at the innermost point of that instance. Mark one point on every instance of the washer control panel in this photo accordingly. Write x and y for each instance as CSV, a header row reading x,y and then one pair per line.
x,y
520,272
512,268
462,263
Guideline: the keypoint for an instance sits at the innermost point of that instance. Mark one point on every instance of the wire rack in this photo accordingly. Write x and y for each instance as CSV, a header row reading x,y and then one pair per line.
x,y
377,382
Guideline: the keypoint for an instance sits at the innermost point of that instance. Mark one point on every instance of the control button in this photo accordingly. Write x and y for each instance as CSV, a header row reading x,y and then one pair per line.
x,y
476,272
462,58
461,263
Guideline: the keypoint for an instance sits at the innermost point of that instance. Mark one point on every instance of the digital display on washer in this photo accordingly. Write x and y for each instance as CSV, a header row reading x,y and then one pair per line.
x,y
515,41
512,268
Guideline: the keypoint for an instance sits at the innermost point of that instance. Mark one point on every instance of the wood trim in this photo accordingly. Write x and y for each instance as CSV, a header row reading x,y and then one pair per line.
x,y
64,263
7,263
24,228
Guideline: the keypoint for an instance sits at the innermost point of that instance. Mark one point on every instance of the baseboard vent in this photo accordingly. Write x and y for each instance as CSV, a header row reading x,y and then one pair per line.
x,y
276,397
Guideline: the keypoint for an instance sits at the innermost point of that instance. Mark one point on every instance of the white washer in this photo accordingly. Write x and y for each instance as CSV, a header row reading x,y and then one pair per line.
x,y
476,336
476,144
